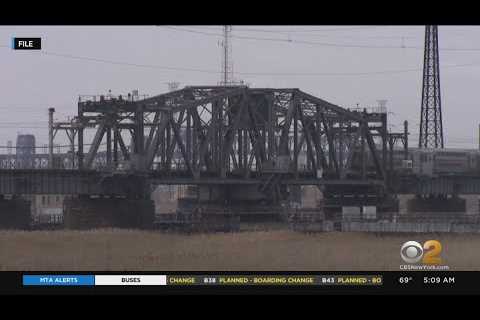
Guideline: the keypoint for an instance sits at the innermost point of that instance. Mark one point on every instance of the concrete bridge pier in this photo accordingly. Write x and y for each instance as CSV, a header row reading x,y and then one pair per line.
x,y
472,204
403,202
246,202
89,212
14,213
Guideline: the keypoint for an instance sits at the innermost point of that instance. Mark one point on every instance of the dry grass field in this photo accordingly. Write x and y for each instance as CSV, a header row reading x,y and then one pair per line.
x,y
114,249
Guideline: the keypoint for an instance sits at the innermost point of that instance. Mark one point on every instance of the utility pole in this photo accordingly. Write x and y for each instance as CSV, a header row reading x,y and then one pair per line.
x,y
405,137
50,137
431,127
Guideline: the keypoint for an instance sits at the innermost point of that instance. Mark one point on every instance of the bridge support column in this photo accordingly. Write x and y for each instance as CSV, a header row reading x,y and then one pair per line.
x,y
403,202
106,212
311,197
14,213
243,201
472,205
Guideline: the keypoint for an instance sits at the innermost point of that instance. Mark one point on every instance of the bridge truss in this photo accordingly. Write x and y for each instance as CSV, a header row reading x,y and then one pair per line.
x,y
217,136
229,131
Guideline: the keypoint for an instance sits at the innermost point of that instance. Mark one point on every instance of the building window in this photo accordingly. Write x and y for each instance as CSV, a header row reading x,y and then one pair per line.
x,y
43,200
57,199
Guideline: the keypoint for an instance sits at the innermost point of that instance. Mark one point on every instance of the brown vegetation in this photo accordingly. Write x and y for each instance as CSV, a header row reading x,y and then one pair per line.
x,y
114,249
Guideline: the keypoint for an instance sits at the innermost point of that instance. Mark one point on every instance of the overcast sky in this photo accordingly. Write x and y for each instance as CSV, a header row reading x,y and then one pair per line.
x,y
345,65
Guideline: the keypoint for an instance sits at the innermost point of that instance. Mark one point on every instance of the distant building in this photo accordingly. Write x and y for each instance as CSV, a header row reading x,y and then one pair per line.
x,y
46,208
25,151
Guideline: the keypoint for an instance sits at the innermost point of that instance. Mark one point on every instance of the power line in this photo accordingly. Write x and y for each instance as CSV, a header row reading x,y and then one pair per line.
x,y
322,31
308,33
285,40
299,30
125,63
107,61
70,56
325,44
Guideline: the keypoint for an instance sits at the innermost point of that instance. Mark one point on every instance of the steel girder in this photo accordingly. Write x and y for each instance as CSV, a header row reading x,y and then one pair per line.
x,y
72,182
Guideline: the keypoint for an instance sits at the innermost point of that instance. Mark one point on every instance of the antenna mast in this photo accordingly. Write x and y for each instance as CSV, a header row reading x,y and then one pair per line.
x,y
227,63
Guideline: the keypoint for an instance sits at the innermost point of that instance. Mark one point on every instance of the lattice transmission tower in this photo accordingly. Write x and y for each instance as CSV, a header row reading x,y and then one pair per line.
x,y
431,128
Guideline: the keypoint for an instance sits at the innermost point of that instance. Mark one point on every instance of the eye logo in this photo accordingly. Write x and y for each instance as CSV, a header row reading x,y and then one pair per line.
x,y
411,252
429,253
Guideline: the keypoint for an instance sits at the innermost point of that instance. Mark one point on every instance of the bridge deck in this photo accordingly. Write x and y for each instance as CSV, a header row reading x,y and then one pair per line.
x,y
68,181
64,181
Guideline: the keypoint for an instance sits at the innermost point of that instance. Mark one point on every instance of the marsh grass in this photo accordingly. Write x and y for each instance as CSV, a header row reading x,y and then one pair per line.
x,y
278,250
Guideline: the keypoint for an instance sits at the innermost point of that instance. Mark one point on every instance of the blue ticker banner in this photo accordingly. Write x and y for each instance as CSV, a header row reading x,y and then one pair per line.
x,y
58,280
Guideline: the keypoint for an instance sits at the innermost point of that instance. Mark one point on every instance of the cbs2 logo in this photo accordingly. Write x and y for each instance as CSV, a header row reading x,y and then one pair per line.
x,y
413,252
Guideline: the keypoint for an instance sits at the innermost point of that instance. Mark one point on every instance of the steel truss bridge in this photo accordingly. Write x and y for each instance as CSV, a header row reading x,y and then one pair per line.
x,y
261,138
211,135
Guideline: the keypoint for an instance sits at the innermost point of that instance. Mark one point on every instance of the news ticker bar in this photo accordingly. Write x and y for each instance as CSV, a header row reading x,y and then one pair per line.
x,y
202,280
